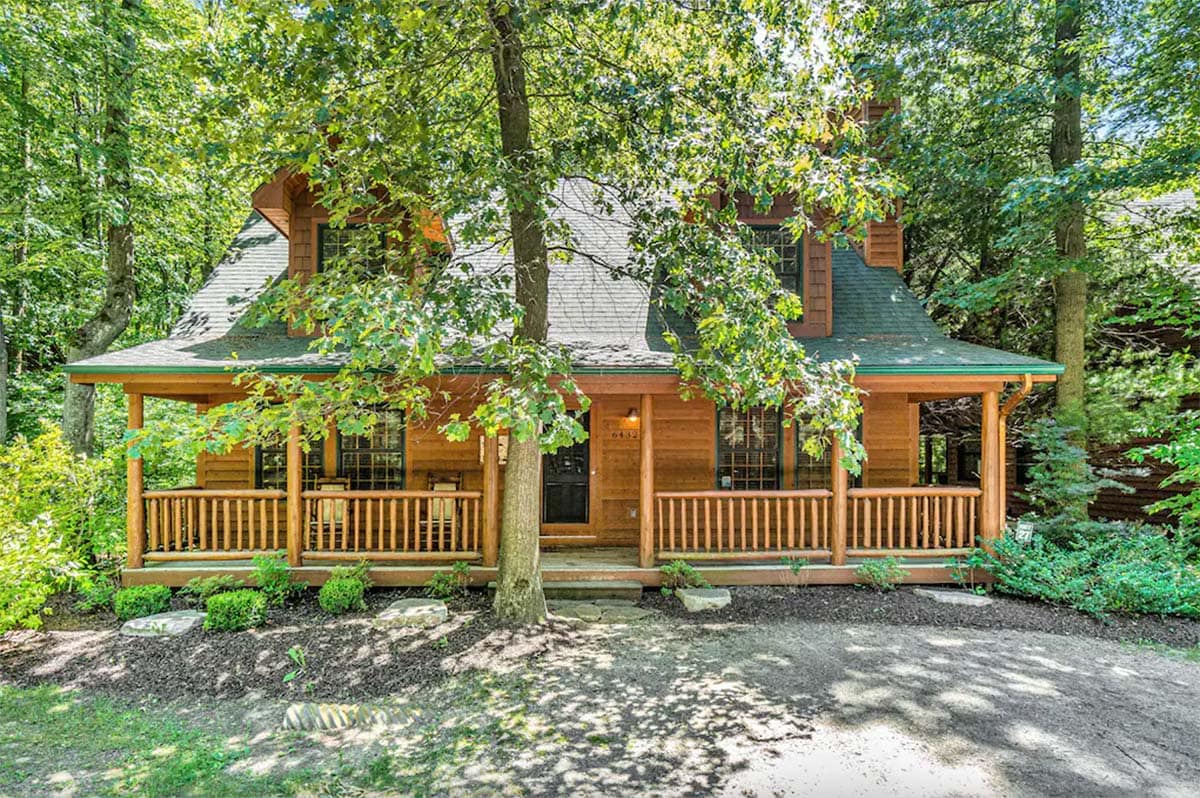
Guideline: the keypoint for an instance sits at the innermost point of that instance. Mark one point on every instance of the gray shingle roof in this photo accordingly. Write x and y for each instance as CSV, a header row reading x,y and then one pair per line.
x,y
607,323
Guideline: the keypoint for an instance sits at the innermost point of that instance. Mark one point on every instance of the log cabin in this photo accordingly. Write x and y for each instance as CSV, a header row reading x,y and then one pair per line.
x,y
658,478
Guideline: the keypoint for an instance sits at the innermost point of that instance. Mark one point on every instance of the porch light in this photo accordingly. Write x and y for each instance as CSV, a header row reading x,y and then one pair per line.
x,y
632,415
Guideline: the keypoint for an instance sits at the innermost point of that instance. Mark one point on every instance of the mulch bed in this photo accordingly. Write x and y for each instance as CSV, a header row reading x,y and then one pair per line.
x,y
904,607
346,658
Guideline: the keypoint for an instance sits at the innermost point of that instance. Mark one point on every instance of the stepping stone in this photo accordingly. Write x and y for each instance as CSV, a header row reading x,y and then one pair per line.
x,y
164,624
959,597
412,612
602,611
310,716
702,599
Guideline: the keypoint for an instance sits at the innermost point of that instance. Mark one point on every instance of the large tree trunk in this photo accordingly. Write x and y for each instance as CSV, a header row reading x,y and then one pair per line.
x,y
1066,149
99,332
519,597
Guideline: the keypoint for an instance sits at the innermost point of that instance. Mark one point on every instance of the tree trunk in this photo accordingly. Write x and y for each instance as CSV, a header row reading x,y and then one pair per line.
x,y
1070,286
99,332
519,597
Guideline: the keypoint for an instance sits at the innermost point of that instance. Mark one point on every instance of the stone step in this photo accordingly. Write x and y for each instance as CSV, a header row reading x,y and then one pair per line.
x,y
589,590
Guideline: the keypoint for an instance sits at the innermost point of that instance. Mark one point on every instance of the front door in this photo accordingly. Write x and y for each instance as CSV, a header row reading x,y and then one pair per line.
x,y
565,475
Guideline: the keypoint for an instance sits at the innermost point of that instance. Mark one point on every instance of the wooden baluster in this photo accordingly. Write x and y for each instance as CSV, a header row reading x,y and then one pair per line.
x,y
720,526
683,528
937,521
410,544
707,525
226,525
429,525
754,523
971,519
732,525
742,503
152,508
791,505
659,518
695,525
671,525
262,523
453,504
925,522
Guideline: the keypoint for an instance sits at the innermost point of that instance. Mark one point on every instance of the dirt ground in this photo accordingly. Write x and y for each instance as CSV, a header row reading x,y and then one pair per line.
x,y
781,704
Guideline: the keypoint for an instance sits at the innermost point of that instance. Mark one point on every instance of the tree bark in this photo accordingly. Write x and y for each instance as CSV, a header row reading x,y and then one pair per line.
x,y
98,333
1070,286
519,597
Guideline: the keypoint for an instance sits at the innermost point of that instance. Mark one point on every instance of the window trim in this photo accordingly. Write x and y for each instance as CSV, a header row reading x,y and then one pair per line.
x,y
778,449
801,278
325,226
402,450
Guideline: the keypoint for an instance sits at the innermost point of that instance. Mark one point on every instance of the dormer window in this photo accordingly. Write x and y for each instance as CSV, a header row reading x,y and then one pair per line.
x,y
789,259
360,245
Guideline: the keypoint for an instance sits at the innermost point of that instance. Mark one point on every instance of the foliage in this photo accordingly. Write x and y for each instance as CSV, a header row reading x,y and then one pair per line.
x,y
296,655
882,574
141,600
359,572
273,576
680,575
338,596
200,588
96,594
1062,483
796,564
448,584
1127,570
1182,451
235,610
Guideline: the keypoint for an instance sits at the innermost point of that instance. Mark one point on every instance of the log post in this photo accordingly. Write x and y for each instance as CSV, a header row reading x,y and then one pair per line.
x,y
646,484
135,510
491,500
295,522
990,522
840,485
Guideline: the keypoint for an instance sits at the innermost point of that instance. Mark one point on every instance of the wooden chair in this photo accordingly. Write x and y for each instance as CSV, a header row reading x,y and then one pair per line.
x,y
333,513
444,514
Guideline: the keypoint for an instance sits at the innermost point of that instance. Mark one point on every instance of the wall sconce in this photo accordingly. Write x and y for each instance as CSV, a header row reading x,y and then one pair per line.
x,y
632,415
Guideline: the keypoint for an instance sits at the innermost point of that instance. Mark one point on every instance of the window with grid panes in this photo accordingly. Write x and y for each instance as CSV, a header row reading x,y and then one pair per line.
x,y
748,449
375,461
355,243
270,466
789,261
812,473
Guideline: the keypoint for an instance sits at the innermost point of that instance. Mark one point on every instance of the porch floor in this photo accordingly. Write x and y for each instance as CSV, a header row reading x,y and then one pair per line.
x,y
562,565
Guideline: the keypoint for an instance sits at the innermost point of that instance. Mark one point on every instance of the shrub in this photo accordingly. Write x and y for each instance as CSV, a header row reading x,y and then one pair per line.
x,y
235,610
341,595
883,575
141,600
1134,571
273,576
679,575
448,584
359,572
202,588
1180,450
95,595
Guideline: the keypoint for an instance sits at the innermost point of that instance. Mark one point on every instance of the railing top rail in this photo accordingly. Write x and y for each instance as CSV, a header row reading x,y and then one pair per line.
x,y
743,494
924,490
198,493
391,494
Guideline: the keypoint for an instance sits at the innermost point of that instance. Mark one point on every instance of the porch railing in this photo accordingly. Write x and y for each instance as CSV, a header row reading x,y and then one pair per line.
x,y
722,524
917,521
193,523
398,525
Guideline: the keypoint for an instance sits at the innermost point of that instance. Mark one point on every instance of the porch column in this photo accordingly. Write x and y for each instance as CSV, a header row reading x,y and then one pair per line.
x,y
990,522
646,486
491,500
135,511
295,521
839,485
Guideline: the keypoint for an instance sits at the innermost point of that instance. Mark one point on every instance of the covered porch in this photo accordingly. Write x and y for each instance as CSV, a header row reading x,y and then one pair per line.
x,y
652,489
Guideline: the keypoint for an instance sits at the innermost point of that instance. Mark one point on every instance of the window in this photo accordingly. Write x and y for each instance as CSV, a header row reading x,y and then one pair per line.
x,y
789,258
812,472
375,461
360,244
970,455
748,449
270,467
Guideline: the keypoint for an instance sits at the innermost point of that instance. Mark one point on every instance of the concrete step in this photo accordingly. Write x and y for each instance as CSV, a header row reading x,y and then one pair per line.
x,y
589,590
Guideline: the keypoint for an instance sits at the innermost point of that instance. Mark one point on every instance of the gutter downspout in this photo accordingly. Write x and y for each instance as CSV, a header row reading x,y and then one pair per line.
x,y
1009,406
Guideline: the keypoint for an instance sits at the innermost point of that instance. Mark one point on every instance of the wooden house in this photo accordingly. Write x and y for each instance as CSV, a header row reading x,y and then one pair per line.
x,y
658,479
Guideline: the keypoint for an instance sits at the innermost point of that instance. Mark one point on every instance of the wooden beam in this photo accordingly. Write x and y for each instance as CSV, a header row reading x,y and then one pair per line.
x,y
491,500
295,540
840,485
646,490
135,508
990,463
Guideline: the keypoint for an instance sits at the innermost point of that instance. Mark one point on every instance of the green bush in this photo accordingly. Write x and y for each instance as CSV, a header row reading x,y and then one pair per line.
x,y
1137,571
141,600
448,584
359,572
680,575
883,575
273,576
200,589
235,610
342,595
96,594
